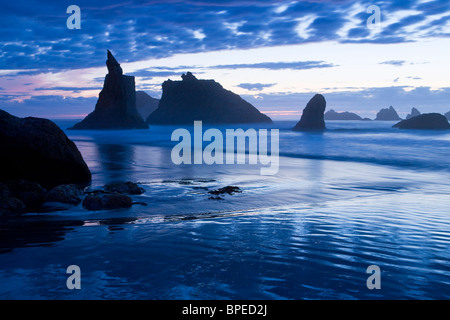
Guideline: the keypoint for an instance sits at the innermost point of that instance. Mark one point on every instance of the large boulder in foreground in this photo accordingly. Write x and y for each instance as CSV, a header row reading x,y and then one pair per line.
x,y
186,101
333,115
427,121
313,115
388,114
38,150
116,105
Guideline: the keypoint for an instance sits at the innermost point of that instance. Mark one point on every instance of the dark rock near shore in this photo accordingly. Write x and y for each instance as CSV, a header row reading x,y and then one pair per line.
x,y
225,190
124,187
101,201
69,194
388,114
116,106
414,113
38,150
20,196
426,121
333,115
313,115
186,101
145,104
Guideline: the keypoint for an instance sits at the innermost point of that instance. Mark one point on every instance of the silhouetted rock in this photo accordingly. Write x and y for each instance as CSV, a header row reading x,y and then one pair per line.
x,y
366,119
388,114
38,150
9,203
313,115
186,101
333,115
100,201
116,105
447,115
228,189
145,104
414,113
124,187
427,121
69,193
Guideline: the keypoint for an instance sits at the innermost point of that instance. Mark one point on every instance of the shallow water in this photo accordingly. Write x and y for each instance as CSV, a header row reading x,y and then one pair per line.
x,y
359,194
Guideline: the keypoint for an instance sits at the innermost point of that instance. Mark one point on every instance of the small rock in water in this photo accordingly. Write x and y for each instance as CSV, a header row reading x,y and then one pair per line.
x,y
124,187
107,201
228,189
216,198
67,193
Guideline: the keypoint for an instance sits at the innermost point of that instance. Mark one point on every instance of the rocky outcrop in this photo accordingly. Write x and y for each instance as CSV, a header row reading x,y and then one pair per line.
x,y
116,105
38,150
186,101
107,201
414,113
145,104
69,194
124,187
447,115
313,115
333,115
427,121
388,114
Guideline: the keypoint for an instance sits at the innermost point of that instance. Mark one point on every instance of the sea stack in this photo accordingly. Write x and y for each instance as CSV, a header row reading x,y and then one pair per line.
x,y
426,121
186,101
145,104
38,150
388,114
313,115
414,113
447,115
333,115
116,105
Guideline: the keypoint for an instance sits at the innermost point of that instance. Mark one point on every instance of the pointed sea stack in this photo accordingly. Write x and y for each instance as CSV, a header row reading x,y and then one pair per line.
x,y
116,105
186,101
388,115
426,121
414,113
313,115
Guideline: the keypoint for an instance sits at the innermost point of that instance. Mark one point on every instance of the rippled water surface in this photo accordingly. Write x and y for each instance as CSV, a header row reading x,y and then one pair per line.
x,y
359,194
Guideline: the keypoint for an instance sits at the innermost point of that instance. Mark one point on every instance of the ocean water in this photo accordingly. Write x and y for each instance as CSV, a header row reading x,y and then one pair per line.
x,y
359,194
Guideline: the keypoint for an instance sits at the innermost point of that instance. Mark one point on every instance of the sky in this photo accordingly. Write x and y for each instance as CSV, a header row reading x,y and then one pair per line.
x,y
274,54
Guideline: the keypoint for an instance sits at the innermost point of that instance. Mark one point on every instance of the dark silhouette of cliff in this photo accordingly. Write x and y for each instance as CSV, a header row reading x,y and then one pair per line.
x,y
313,115
186,101
116,105
333,115
426,121
388,114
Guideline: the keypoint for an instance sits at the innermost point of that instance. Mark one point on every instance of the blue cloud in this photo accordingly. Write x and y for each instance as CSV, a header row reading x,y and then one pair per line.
x,y
256,86
397,63
298,65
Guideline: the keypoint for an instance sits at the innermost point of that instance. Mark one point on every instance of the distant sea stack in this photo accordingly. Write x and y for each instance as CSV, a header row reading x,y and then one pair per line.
x,y
38,150
387,115
116,105
333,115
427,121
145,104
414,113
186,101
313,115
447,115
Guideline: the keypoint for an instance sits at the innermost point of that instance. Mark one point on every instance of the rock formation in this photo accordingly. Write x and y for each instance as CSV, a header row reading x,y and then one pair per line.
x,y
447,115
333,115
145,104
426,121
38,150
186,101
387,115
414,113
116,105
313,115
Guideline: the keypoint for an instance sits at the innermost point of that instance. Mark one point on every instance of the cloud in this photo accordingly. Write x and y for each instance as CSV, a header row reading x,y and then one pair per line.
x,y
256,86
397,63
299,65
